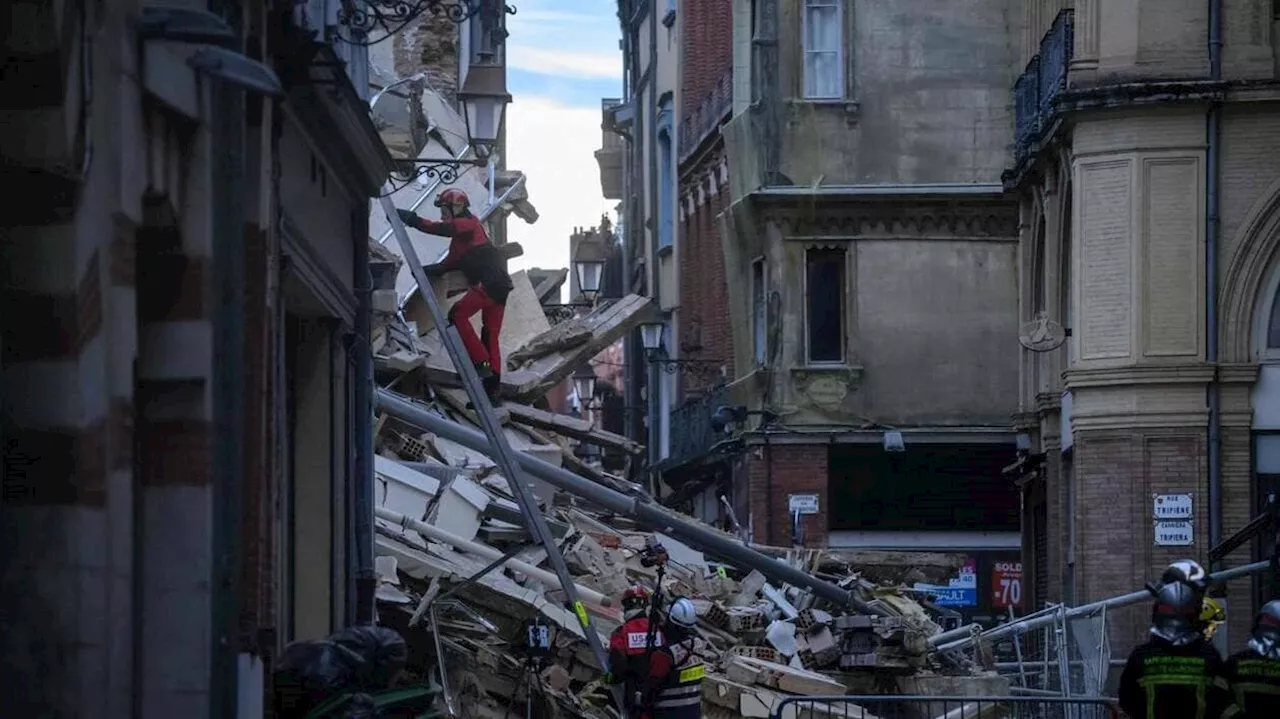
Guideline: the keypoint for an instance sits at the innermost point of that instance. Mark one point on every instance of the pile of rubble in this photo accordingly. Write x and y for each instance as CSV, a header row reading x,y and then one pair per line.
x,y
459,574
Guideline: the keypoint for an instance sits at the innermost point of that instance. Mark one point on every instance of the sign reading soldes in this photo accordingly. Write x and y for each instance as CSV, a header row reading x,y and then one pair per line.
x,y
1006,585
961,591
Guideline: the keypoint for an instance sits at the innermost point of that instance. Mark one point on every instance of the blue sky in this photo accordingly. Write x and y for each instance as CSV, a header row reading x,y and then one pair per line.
x,y
562,58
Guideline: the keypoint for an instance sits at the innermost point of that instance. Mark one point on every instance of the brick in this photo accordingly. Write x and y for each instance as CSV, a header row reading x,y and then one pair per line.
x,y
797,469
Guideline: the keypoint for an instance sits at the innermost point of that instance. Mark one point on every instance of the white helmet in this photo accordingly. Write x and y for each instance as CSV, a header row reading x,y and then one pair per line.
x,y
1187,571
683,614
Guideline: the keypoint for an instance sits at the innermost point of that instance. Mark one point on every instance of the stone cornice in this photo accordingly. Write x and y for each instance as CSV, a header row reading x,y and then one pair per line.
x,y
902,218
1138,374
1026,421
1048,402
1238,373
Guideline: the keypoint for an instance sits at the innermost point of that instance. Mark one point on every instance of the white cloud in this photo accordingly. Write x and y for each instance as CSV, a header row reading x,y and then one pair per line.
x,y
554,144
574,63
535,17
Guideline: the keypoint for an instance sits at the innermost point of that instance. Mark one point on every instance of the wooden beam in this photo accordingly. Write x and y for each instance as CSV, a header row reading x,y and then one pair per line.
x,y
574,427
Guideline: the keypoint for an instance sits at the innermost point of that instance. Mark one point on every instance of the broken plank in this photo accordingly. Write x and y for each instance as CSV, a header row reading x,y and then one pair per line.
x,y
457,401
560,338
608,324
575,427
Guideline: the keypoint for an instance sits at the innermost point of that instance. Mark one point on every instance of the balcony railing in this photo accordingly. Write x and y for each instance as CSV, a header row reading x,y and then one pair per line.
x,y
1038,87
691,433
706,116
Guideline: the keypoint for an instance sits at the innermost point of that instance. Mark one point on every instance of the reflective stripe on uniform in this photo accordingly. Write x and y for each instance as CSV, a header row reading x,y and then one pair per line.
x,y
679,696
692,674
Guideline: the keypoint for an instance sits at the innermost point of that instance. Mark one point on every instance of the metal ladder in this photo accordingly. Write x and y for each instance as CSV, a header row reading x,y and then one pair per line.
x,y
502,454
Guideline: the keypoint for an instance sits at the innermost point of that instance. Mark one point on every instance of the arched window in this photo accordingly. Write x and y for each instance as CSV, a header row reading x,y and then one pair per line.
x,y
1266,316
1273,325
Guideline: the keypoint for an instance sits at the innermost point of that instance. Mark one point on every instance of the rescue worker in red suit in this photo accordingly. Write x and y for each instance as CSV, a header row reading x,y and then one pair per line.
x,y
471,252
630,650
676,669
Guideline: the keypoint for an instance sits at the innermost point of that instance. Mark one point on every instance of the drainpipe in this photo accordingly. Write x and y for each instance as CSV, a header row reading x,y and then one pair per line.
x,y
1213,135
654,435
227,151
361,414
635,351
768,490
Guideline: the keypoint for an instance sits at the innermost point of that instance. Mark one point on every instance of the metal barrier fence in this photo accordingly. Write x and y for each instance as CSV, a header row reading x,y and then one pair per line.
x,y
949,707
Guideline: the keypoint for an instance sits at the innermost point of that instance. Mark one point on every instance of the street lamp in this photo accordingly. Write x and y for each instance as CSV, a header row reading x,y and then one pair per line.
x,y
484,99
651,332
651,336
589,273
584,383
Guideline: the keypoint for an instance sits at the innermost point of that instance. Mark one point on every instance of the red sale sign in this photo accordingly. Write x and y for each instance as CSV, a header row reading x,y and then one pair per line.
x,y
1006,585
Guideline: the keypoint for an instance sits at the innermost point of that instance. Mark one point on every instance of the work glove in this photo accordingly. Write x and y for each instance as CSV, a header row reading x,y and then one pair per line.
x,y
408,217
435,270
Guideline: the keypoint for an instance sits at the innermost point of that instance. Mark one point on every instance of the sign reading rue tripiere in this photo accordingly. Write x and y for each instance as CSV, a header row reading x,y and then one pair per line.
x,y
1172,515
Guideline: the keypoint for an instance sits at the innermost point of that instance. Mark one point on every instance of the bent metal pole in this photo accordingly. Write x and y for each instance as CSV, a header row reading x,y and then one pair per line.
x,y
654,517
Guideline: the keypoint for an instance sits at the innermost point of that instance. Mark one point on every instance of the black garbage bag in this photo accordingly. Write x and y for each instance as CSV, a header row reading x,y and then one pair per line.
x,y
363,659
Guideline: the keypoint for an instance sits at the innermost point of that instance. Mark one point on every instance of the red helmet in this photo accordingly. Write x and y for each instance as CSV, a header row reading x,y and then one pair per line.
x,y
453,197
634,597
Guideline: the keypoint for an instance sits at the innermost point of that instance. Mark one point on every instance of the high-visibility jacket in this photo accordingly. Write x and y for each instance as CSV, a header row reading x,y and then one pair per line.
x,y
677,671
1255,684
1163,681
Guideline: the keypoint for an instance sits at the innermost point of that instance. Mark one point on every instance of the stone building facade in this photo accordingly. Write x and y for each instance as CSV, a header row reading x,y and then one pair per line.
x,y
185,401
869,254
1147,166
640,170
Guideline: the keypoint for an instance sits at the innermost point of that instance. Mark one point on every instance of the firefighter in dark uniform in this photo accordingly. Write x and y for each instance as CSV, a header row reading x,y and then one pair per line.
x,y
676,669
1177,674
1254,674
630,649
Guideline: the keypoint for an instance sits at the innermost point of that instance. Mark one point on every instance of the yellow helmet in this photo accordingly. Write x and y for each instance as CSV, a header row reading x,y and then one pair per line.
x,y
1212,615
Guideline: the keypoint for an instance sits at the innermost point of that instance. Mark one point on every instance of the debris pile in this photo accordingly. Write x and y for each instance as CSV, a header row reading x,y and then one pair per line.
x,y
459,575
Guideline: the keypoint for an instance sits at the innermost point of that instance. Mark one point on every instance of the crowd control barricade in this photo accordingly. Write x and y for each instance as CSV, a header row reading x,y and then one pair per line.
x,y
943,707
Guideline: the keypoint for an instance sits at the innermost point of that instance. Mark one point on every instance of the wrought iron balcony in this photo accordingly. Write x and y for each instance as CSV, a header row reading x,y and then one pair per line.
x,y
706,116
691,432
1037,89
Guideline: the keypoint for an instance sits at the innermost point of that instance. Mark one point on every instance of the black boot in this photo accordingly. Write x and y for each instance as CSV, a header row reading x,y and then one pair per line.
x,y
493,388
492,384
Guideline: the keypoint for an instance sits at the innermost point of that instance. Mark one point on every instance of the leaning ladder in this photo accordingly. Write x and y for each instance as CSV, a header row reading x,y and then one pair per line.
x,y
502,452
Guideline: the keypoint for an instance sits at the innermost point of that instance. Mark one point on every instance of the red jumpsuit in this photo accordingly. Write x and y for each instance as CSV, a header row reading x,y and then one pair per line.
x,y
471,252
629,657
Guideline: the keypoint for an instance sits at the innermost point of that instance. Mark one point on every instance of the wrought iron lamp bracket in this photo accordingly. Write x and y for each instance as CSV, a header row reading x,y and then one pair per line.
x,y
696,368
391,16
446,172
